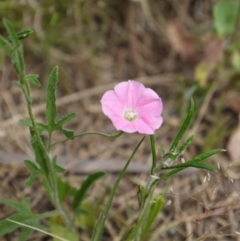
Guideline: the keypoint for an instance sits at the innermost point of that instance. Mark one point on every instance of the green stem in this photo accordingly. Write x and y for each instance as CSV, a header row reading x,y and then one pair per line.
x,y
145,207
112,136
51,177
99,228
154,155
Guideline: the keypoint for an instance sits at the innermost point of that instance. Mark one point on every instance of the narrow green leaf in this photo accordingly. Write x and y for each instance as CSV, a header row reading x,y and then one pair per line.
x,y
11,32
18,84
174,171
65,190
4,44
80,194
33,78
31,166
26,122
184,127
192,164
65,119
35,172
39,155
68,133
155,209
30,180
142,195
18,53
97,233
162,150
206,155
204,166
40,126
51,109
22,34
7,227
21,207
26,233
186,143
56,166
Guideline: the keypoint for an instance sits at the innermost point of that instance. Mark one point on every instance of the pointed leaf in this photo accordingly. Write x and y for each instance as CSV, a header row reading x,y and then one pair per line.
x,y
184,127
186,143
174,171
51,109
4,44
65,190
18,54
56,166
7,227
192,164
11,32
22,35
142,195
65,119
35,172
80,194
205,155
40,126
32,166
33,78
25,234
68,133
21,207
155,209
39,155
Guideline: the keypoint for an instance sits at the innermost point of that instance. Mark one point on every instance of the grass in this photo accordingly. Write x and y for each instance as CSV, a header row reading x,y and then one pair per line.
x,y
96,44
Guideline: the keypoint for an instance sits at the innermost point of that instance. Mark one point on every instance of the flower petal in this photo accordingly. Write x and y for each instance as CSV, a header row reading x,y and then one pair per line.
x,y
111,104
154,122
142,127
132,96
121,124
129,92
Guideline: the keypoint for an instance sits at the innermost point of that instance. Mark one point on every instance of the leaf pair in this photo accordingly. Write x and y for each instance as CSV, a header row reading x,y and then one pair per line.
x,y
51,108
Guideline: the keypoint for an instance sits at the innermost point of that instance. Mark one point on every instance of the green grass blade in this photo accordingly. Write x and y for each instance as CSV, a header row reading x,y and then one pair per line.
x,y
99,228
206,155
186,143
184,126
21,35
80,194
155,209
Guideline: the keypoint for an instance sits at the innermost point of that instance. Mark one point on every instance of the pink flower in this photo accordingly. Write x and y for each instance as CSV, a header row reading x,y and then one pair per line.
x,y
133,108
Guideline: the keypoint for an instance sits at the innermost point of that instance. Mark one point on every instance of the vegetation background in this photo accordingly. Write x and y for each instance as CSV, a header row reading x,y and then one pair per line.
x,y
174,47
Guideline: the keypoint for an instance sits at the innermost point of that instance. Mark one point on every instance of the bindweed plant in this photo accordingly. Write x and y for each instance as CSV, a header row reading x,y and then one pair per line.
x,y
132,108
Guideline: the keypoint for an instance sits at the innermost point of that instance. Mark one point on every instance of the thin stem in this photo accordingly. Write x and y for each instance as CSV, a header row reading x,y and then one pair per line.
x,y
112,136
145,207
51,177
49,141
153,149
97,235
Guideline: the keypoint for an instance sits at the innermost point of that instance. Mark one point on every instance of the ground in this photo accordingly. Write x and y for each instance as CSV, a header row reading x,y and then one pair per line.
x,y
165,45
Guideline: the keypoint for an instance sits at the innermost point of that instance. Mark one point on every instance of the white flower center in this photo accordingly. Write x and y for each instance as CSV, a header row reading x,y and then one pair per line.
x,y
130,115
